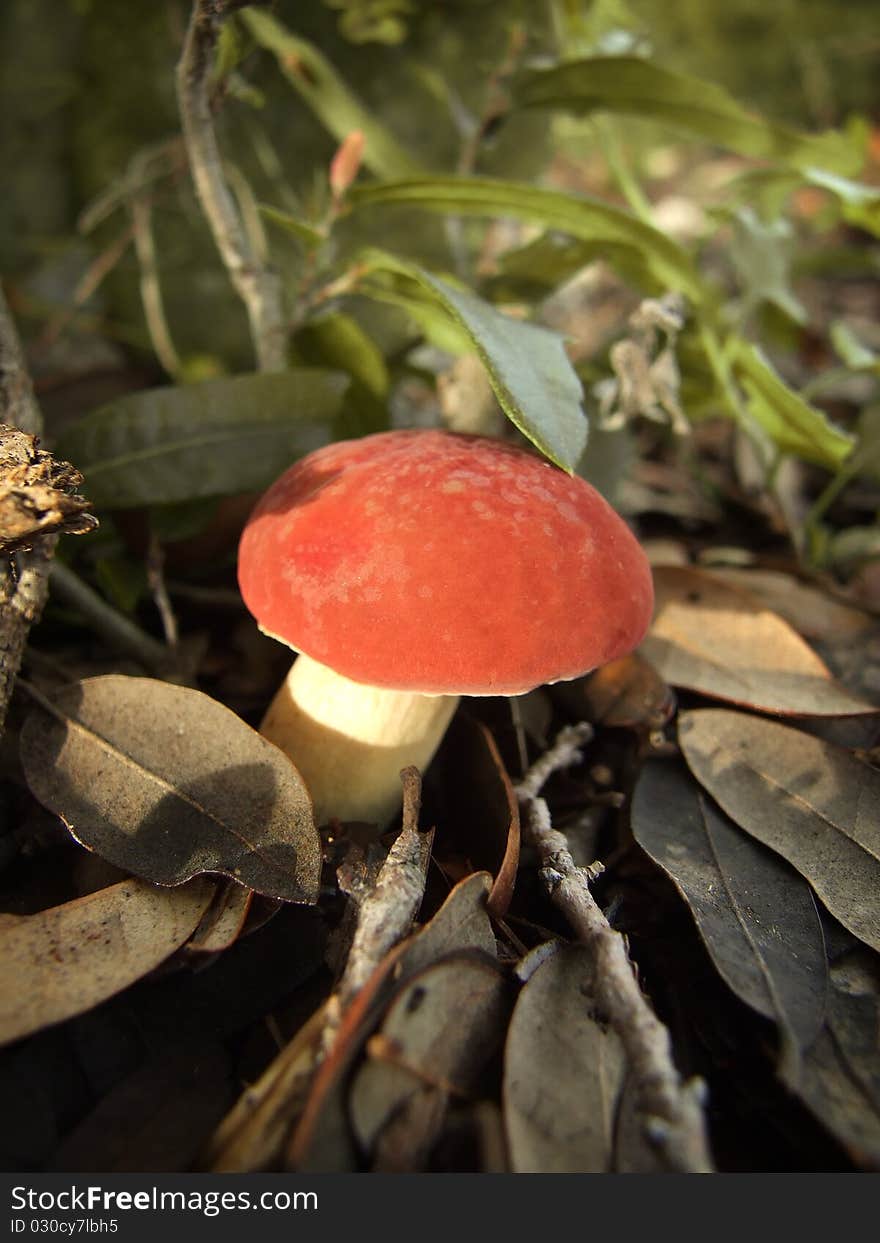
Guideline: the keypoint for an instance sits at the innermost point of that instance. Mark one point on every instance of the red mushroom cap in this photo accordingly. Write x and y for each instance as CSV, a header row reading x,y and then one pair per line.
x,y
445,564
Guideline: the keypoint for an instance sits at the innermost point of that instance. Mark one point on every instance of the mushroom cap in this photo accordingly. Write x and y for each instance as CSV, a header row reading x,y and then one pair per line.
x,y
445,564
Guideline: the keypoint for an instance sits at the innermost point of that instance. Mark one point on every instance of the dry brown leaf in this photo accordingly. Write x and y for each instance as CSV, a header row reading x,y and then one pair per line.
x,y
483,809
812,612
812,802
755,914
69,958
719,641
168,783
841,1080
563,1072
223,921
627,693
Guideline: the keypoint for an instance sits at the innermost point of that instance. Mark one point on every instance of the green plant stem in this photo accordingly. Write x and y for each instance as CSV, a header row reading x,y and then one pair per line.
x,y
257,285
627,182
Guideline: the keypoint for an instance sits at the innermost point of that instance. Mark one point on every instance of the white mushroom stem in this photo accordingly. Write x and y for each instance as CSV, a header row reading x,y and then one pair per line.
x,y
350,741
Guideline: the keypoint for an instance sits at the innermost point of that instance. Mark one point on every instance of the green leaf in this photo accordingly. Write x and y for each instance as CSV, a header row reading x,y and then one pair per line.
x,y
420,305
528,368
792,424
305,233
223,436
533,270
337,341
854,352
313,76
860,204
761,255
637,87
588,219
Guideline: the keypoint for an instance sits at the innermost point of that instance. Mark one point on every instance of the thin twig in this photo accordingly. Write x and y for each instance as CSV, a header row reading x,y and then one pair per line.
x,y
258,286
387,913
671,1111
151,290
159,590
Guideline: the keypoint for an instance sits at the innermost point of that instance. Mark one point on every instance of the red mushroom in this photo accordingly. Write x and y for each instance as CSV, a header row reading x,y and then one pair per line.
x,y
411,567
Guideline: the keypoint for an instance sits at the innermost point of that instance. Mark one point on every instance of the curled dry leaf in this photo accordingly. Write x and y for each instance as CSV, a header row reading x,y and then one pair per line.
x,y
69,958
224,920
722,642
627,693
167,783
563,1072
812,802
484,812
755,914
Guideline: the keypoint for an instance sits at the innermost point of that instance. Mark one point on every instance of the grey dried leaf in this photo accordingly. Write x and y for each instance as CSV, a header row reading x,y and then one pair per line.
x,y
563,1072
74,956
755,914
722,642
440,1031
810,801
841,1079
168,783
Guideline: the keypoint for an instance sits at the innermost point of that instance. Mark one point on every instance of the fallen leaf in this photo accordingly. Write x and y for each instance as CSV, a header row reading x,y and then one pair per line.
x,y
812,612
812,802
841,1080
156,1119
223,921
627,693
446,1022
69,958
483,809
755,914
404,1146
440,1031
563,1072
167,783
719,641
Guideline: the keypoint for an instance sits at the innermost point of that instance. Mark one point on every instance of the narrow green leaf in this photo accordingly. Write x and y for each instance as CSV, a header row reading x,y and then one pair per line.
x,y
533,270
313,76
792,424
304,232
527,365
223,436
637,87
588,219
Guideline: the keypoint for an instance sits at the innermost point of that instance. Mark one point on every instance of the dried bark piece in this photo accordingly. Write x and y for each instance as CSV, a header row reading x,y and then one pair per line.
x,y
38,494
